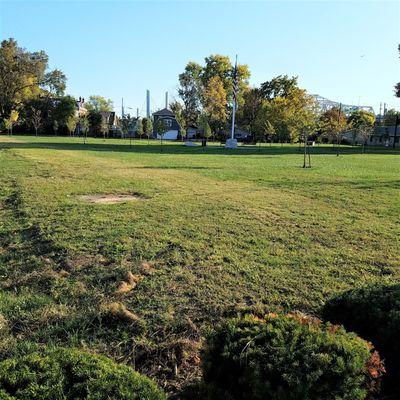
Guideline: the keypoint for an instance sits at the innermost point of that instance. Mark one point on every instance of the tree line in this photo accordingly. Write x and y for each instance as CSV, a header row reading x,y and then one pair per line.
x,y
33,98
278,110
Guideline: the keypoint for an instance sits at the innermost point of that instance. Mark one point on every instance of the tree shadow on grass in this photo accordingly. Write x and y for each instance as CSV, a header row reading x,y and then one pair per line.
x,y
178,148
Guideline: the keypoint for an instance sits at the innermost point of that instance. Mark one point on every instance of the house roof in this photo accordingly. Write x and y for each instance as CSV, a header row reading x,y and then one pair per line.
x,y
164,113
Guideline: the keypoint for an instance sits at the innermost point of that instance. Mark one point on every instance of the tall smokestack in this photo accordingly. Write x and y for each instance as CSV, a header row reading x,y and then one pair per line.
x,y
166,99
148,103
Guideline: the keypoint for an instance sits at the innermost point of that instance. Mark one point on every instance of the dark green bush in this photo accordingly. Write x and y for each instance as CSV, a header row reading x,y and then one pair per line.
x,y
289,357
374,314
68,374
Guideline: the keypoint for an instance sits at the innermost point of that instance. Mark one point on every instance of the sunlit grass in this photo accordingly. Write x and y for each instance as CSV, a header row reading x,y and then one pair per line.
x,y
218,231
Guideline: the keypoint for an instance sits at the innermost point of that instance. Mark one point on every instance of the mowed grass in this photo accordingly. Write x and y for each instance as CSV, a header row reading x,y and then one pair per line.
x,y
216,232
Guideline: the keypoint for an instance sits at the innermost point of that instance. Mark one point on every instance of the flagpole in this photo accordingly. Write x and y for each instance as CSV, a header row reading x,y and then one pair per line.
x,y
234,107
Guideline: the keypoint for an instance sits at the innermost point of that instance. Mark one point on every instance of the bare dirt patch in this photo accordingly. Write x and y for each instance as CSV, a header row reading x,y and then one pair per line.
x,y
111,198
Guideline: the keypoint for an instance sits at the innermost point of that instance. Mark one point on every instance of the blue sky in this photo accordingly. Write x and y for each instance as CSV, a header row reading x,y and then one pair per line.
x,y
345,51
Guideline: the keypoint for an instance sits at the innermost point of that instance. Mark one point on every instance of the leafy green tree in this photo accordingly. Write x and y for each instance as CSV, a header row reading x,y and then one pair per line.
x,y
207,133
147,127
215,101
332,124
71,124
197,84
161,129
263,128
247,115
65,107
11,121
279,108
220,66
127,123
190,91
280,86
289,115
362,123
139,128
390,117
96,121
24,75
99,103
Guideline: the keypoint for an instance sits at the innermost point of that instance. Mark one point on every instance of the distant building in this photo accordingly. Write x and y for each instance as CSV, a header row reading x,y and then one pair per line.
x,y
113,122
385,136
80,107
170,122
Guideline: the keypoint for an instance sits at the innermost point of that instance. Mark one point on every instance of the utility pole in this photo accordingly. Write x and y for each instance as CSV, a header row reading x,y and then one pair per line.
x,y
232,142
122,108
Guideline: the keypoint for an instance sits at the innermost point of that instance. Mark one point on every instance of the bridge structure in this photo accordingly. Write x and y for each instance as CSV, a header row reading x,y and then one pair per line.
x,y
324,104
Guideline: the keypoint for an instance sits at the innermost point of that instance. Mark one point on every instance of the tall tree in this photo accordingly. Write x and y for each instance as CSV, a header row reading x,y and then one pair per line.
x,y
332,124
96,120
390,117
178,110
361,122
99,103
215,103
197,81
190,91
24,75
249,113
289,114
280,86
220,66
64,108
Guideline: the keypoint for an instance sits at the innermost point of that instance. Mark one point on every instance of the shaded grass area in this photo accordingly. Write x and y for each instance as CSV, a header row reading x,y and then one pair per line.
x,y
218,233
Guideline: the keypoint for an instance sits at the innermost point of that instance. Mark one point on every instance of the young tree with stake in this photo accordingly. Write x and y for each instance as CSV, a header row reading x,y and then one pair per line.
x,y
147,128
36,119
139,128
161,129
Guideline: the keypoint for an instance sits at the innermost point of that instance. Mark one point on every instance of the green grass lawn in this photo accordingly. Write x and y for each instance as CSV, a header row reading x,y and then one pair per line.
x,y
216,232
